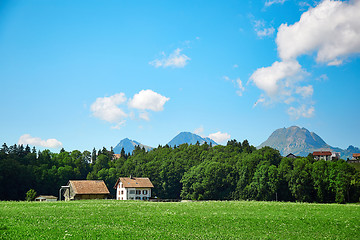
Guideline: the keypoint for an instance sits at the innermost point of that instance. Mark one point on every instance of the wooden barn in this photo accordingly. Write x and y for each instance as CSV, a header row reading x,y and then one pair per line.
x,y
86,189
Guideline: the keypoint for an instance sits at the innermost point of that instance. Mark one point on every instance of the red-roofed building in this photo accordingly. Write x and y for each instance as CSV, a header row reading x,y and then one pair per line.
x,y
326,155
133,188
355,158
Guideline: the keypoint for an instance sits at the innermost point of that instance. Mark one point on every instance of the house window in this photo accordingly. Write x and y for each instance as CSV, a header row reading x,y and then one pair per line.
x,y
145,198
122,192
138,198
138,192
132,192
122,198
145,192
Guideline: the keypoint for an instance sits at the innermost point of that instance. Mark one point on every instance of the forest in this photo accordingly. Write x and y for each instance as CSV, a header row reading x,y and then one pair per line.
x,y
237,171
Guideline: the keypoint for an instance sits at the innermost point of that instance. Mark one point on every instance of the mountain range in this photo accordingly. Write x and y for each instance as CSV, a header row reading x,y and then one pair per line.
x,y
301,142
296,140
183,137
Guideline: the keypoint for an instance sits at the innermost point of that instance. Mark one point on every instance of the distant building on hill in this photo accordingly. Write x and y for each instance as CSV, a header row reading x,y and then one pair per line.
x,y
86,189
46,198
290,155
326,155
355,158
133,188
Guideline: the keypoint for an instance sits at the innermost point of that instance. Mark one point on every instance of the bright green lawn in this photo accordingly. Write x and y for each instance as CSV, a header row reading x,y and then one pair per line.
x,y
111,219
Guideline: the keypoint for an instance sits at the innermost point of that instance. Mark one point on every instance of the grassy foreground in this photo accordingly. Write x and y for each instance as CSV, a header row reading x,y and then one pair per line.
x,y
111,219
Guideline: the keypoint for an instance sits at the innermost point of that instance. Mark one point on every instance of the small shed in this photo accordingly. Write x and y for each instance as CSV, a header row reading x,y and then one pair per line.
x,y
46,198
86,189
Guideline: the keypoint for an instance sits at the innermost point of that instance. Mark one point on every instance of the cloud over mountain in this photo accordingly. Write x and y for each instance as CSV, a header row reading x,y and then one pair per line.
x,y
148,100
111,109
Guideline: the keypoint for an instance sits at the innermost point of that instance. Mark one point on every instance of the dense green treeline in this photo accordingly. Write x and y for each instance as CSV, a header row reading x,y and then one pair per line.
x,y
199,172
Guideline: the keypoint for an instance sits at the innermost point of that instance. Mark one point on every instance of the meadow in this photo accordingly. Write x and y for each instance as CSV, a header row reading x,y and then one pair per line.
x,y
111,219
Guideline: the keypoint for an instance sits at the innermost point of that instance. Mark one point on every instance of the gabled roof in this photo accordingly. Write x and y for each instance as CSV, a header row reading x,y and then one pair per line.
x,y
322,153
47,197
134,182
290,155
89,187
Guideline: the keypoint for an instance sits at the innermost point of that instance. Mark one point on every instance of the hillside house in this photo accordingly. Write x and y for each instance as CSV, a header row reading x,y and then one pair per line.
x,y
290,155
326,155
133,188
46,198
86,189
355,158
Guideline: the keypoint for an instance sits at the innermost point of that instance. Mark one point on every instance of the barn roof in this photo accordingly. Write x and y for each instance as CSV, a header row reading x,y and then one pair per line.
x,y
135,182
89,187
322,153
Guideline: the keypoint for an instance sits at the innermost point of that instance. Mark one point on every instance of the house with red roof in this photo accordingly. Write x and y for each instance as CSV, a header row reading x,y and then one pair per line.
x,y
326,155
133,188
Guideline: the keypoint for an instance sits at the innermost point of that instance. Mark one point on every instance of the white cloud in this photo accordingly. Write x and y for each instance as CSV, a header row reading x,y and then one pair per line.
x,y
199,130
119,124
322,77
278,76
271,2
302,111
237,83
265,32
144,115
175,59
305,91
261,30
107,109
235,66
241,87
219,137
148,100
34,141
331,30
260,100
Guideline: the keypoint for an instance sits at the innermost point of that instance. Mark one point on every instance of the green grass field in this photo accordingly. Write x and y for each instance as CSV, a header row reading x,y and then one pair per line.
x,y
111,219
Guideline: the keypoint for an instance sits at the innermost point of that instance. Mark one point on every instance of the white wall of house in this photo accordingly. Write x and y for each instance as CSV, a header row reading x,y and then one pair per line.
x,y
43,199
123,193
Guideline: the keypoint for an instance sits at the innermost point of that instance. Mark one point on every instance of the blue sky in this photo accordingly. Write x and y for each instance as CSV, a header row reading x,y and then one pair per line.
x,y
85,74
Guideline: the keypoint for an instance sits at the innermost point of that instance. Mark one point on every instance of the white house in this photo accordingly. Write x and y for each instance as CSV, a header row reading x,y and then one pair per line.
x,y
46,198
326,155
133,188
